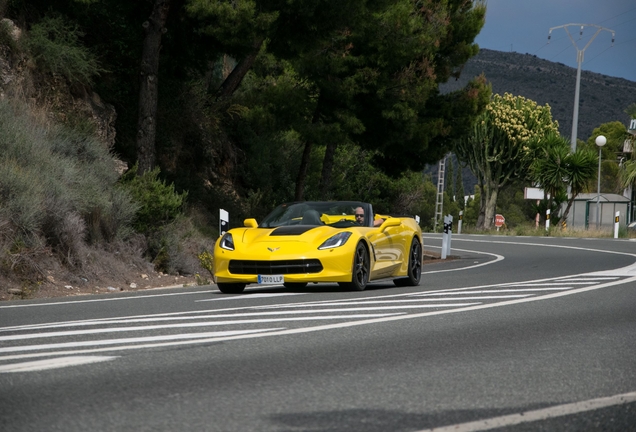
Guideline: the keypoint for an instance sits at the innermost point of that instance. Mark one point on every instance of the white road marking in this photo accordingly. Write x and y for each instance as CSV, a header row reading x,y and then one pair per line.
x,y
144,339
497,259
347,324
555,283
183,325
119,319
491,291
39,365
418,300
538,415
251,295
625,271
631,269
593,278
198,317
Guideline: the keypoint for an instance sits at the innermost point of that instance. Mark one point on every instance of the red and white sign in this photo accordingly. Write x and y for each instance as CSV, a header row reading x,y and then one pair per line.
x,y
499,220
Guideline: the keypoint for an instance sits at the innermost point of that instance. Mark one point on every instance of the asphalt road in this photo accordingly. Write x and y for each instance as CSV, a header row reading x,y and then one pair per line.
x,y
516,334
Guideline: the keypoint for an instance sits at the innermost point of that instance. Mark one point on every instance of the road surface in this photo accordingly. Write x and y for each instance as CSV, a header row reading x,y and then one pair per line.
x,y
518,333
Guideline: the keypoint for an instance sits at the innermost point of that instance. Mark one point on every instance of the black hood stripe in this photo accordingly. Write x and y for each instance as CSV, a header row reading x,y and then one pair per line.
x,y
291,230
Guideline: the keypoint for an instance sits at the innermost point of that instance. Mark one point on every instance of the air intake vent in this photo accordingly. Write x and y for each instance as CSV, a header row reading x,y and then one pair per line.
x,y
301,266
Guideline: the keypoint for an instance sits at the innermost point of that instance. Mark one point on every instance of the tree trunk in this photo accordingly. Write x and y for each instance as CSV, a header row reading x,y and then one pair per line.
x,y
302,172
235,77
304,162
148,89
564,218
490,205
482,206
327,169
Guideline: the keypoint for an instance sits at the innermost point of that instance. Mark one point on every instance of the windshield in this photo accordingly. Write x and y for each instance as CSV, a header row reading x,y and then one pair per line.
x,y
338,214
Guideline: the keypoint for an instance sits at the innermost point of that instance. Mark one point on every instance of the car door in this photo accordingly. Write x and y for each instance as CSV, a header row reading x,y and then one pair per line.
x,y
388,249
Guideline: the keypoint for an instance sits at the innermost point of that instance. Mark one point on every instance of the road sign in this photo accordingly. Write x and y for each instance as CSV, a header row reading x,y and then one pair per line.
x,y
499,220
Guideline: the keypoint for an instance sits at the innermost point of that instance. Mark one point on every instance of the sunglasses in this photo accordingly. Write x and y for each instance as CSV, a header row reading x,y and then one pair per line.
x,y
359,215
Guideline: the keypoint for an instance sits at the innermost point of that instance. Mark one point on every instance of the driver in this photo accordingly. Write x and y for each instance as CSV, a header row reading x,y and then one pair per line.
x,y
359,214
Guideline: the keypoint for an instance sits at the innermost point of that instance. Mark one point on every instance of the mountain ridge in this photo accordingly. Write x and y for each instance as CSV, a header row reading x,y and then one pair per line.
x,y
602,98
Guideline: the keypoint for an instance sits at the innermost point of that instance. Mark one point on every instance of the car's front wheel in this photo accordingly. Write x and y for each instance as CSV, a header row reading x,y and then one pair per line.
x,y
231,288
361,269
414,271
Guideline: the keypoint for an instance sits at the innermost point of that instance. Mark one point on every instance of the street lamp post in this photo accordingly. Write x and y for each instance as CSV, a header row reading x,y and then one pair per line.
x,y
600,142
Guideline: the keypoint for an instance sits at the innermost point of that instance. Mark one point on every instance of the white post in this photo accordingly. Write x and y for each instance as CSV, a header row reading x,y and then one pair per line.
x,y
447,236
224,221
448,220
547,219
616,219
459,224
450,234
444,239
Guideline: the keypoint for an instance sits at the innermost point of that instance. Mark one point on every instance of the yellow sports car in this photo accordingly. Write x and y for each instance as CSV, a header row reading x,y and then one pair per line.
x,y
320,241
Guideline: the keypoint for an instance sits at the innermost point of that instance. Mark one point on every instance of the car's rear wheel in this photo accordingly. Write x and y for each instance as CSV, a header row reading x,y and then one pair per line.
x,y
295,285
361,269
231,288
414,271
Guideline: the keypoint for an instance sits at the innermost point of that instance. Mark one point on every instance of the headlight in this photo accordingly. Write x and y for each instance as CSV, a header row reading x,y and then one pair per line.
x,y
227,242
336,240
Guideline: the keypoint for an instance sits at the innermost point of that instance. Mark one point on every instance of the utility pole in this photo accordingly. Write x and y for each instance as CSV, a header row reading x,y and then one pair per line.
x,y
579,58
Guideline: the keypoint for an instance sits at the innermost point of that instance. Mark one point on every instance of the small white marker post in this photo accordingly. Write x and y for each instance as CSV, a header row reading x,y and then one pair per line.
x,y
459,223
547,219
617,217
224,221
446,237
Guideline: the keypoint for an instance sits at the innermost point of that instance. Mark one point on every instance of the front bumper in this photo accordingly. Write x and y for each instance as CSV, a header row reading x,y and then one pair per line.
x,y
336,266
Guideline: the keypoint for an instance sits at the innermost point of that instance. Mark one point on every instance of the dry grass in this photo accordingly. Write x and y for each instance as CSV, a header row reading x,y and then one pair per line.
x,y
554,231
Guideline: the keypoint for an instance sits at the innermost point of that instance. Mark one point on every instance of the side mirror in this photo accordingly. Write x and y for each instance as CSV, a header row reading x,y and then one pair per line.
x,y
250,223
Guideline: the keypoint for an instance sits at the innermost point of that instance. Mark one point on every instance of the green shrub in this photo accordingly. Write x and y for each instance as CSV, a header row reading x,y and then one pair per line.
x,y
207,261
175,247
6,37
55,46
159,203
58,189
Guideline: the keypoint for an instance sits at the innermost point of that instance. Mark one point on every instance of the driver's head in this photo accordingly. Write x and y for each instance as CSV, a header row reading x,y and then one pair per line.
x,y
359,215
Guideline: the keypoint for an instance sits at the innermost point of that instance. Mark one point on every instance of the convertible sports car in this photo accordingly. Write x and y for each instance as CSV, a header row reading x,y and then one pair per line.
x,y
318,241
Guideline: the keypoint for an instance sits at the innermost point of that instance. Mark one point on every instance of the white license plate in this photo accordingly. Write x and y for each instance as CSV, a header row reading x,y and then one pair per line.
x,y
270,279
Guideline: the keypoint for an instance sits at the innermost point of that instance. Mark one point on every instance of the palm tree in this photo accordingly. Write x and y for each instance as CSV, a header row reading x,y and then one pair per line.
x,y
582,169
554,167
628,174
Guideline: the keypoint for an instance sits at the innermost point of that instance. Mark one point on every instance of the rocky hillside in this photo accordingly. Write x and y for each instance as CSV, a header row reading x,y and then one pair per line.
x,y
602,98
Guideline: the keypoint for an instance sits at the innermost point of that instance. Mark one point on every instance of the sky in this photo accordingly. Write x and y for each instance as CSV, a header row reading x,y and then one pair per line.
x,y
522,26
